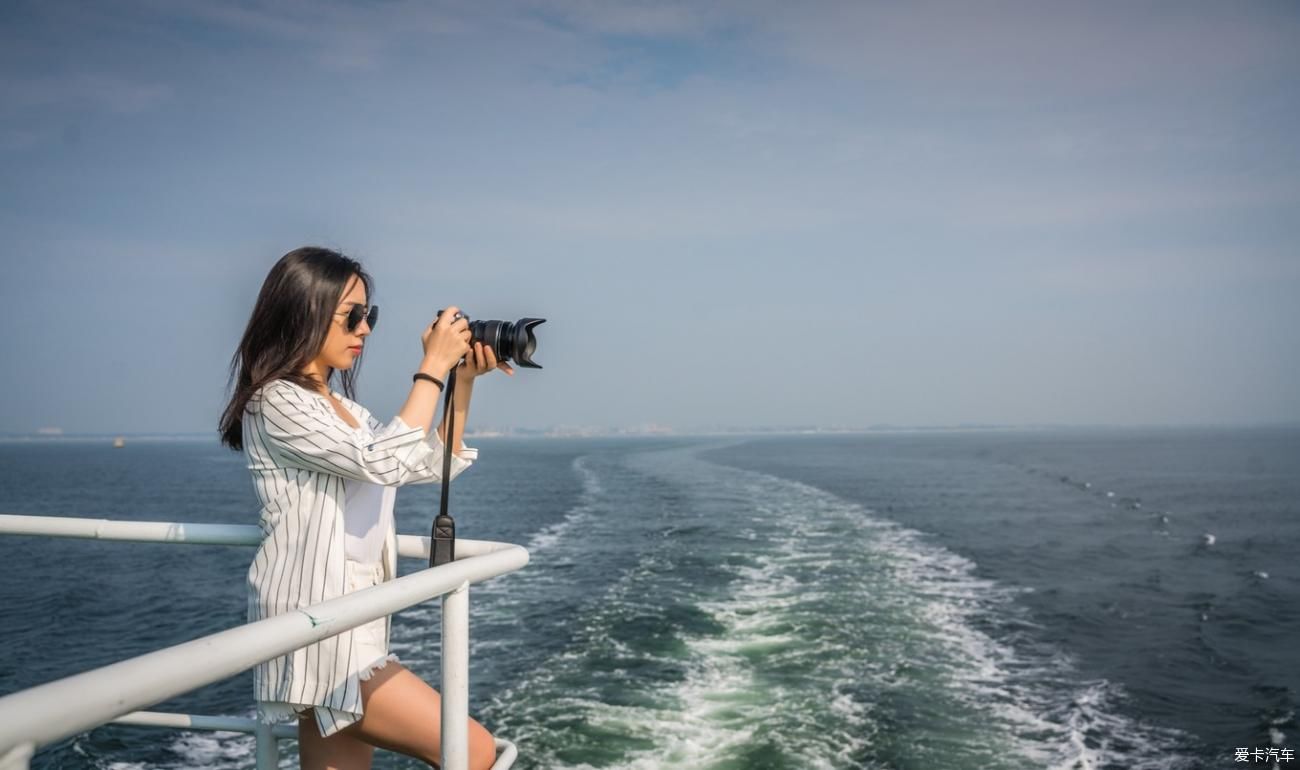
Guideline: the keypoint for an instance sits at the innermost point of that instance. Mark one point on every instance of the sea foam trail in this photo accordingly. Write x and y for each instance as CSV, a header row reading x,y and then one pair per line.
x,y
592,491
209,750
796,629
955,648
551,549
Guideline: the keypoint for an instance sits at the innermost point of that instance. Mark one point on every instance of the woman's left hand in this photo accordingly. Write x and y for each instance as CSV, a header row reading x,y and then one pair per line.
x,y
480,360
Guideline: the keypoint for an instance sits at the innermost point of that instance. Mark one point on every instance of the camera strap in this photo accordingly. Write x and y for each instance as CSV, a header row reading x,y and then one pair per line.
x,y
442,548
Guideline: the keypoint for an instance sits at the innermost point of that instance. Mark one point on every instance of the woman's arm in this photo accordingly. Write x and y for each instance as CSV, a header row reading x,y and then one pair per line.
x,y
480,360
301,430
460,407
422,402
445,342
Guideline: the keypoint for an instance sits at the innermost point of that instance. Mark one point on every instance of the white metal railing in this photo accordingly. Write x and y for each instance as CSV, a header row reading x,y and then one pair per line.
x,y
38,716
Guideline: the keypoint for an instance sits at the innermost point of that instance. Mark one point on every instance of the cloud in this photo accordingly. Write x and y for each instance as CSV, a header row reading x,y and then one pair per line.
x,y
39,110
1070,202
13,139
80,91
1159,271
334,34
649,20
993,50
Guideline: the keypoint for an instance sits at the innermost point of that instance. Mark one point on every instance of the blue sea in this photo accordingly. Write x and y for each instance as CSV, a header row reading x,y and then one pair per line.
x,y
982,599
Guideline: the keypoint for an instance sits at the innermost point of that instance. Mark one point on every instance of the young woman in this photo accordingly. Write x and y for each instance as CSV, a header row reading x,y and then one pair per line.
x,y
326,473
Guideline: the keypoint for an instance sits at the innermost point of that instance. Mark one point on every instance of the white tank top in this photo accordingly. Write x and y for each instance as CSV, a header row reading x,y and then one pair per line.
x,y
367,515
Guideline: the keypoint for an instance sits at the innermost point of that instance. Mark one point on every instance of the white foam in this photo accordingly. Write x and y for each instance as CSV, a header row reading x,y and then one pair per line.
x,y
592,490
501,600
217,750
214,750
1004,700
941,594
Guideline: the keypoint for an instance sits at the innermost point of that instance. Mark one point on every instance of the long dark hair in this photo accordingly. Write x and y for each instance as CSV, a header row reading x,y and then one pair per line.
x,y
287,330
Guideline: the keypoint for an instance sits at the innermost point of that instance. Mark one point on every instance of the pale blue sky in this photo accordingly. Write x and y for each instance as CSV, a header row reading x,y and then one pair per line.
x,y
732,214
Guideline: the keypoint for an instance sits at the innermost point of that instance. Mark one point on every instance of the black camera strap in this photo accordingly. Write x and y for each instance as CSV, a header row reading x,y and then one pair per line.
x,y
442,549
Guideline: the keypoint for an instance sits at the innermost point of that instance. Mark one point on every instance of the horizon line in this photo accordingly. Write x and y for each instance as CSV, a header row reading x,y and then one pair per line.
x,y
579,431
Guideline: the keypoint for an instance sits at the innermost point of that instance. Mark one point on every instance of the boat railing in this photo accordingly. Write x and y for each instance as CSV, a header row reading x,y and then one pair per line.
x,y
38,716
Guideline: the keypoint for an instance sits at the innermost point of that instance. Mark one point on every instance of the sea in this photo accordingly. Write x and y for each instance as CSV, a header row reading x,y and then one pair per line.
x,y
1063,598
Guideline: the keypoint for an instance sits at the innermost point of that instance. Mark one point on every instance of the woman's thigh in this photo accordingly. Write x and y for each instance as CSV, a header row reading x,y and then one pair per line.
x,y
404,714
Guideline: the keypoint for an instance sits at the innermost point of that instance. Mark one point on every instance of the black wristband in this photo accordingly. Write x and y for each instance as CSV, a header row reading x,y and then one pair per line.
x,y
430,378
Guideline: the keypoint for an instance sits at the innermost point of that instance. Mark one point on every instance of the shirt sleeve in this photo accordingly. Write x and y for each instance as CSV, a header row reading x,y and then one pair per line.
x,y
302,433
459,460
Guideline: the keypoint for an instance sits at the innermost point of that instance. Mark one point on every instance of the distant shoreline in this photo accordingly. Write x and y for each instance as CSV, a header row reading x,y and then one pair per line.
x,y
10,438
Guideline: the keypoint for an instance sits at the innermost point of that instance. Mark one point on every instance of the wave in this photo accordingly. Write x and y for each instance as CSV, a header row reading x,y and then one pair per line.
x,y
827,637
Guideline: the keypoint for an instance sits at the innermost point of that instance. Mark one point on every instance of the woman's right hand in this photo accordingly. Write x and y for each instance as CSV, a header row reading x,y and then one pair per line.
x,y
446,341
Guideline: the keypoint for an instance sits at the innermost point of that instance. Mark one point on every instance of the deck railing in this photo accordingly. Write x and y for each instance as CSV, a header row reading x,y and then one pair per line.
x,y
41,715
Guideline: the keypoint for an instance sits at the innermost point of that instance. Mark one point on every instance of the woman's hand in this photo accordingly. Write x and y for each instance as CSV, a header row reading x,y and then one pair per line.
x,y
445,341
480,360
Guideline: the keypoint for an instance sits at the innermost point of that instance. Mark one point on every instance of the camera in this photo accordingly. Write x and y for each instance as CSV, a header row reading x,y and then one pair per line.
x,y
509,341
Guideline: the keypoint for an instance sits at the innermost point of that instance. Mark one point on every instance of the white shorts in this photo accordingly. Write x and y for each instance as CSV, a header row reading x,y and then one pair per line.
x,y
369,639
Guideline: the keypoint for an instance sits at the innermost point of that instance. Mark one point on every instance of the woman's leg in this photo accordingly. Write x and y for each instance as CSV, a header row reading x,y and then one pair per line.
x,y
340,751
404,714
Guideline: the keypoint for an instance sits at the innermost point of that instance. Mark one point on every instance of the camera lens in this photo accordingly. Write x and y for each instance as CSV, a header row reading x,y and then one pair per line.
x,y
509,341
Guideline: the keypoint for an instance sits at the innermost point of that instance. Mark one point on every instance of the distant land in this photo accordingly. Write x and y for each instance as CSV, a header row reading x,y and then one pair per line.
x,y
656,430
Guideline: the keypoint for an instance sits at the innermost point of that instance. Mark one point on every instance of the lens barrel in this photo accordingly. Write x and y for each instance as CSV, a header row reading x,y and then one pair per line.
x,y
509,341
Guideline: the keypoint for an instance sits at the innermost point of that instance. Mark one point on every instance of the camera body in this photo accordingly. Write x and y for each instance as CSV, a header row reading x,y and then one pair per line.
x,y
510,341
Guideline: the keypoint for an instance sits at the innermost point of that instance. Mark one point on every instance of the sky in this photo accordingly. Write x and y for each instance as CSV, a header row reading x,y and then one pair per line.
x,y
731,214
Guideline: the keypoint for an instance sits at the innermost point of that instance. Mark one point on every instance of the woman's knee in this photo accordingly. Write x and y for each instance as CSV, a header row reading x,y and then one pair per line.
x,y
482,747
403,714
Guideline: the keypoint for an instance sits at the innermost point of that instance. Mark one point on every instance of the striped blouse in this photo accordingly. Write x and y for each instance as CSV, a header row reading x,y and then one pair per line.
x,y
302,456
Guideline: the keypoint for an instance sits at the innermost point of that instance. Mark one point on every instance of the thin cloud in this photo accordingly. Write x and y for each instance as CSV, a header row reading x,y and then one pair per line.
x,y
649,20
82,91
336,35
1161,271
1008,49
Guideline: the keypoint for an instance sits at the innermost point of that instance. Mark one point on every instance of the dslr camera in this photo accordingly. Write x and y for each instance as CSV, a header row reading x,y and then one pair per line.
x,y
510,342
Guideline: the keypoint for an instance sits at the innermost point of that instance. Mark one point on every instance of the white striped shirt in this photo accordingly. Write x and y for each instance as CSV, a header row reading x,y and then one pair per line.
x,y
302,454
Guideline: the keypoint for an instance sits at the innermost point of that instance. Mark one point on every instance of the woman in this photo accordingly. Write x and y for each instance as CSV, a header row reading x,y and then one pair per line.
x,y
326,473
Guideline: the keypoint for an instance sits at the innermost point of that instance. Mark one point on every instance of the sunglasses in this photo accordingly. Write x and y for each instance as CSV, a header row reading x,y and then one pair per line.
x,y
369,312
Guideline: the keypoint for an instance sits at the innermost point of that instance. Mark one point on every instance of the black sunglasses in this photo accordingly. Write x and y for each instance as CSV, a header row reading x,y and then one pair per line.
x,y
369,312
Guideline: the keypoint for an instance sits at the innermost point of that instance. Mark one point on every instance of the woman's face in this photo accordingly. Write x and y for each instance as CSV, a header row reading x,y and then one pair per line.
x,y
342,346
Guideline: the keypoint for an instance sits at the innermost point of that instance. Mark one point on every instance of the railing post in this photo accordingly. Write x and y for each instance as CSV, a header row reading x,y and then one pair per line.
x,y
455,678
268,747
17,758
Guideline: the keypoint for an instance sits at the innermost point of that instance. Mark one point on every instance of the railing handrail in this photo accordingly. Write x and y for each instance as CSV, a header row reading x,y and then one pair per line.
x,y
191,533
40,715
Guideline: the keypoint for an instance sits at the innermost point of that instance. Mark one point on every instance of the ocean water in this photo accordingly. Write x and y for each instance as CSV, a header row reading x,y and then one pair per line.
x,y
1062,599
